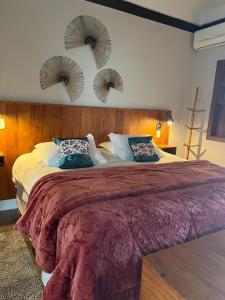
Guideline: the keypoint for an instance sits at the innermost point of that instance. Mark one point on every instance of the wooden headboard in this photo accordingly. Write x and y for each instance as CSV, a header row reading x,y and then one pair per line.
x,y
30,123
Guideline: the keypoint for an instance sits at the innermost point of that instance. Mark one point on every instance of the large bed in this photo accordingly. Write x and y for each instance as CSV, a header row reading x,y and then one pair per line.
x,y
90,228
28,169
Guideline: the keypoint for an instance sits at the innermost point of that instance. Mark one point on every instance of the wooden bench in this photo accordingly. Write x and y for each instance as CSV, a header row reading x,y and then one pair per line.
x,y
193,271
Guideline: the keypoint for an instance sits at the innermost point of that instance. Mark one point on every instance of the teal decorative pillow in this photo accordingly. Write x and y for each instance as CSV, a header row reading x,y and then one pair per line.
x,y
73,153
143,149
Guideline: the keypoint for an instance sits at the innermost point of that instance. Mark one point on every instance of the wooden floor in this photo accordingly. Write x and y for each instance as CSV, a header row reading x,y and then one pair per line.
x,y
194,270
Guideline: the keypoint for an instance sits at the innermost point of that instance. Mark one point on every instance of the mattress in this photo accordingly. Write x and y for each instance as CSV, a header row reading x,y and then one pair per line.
x,y
28,168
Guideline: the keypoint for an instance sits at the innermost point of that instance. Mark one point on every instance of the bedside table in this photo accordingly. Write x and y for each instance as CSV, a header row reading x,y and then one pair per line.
x,y
1,159
168,148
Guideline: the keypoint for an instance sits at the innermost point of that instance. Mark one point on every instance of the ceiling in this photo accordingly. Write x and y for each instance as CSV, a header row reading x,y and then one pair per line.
x,y
194,11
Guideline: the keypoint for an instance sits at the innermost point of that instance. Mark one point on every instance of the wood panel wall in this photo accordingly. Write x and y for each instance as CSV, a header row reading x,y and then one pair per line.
x,y
30,123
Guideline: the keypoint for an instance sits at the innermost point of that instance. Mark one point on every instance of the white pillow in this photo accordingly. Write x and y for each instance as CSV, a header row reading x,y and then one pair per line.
x,y
108,146
49,153
157,150
37,154
94,152
122,148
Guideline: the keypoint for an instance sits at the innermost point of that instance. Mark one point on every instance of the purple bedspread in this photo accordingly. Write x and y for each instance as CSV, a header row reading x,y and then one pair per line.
x,y
92,227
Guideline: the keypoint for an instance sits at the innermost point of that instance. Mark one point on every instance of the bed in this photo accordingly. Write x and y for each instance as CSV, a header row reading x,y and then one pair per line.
x,y
28,169
90,228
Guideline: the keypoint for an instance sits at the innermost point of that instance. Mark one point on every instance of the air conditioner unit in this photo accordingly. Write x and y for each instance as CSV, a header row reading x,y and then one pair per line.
x,y
213,36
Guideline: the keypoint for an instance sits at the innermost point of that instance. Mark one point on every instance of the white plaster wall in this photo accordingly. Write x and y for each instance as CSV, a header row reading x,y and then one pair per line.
x,y
182,9
193,11
211,10
204,76
154,60
211,14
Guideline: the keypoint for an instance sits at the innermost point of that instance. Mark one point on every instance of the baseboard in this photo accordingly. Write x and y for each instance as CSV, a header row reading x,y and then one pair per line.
x,y
8,204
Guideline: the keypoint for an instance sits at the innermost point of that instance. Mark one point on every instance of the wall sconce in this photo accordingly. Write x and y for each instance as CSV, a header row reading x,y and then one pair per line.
x,y
169,118
158,129
2,123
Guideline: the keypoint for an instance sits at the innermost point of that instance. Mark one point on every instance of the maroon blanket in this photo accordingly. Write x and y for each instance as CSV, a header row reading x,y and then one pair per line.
x,y
92,227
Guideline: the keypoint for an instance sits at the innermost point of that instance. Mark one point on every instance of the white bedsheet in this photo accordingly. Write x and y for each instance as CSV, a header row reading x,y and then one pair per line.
x,y
28,169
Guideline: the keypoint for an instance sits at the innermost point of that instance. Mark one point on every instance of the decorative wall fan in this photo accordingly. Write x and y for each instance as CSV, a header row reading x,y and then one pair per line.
x,y
62,69
104,81
89,30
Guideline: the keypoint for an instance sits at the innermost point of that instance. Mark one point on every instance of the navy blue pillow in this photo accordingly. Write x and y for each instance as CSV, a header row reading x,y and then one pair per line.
x,y
143,149
73,153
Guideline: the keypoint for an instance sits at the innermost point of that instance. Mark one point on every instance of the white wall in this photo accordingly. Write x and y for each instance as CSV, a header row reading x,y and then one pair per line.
x,y
182,9
204,76
197,12
154,60
213,10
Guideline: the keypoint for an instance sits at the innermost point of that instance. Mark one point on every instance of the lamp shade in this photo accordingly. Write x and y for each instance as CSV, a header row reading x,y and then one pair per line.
x,y
169,118
2,123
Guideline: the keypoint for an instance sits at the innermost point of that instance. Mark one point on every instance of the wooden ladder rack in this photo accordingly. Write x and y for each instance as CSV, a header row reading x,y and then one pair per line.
x,y
191,127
